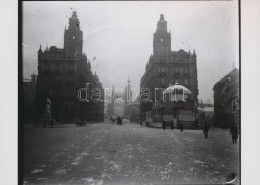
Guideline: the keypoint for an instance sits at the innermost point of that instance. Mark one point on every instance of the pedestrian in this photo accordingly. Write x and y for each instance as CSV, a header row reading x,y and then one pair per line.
x,y
172,125
118,120
51,123
164,125
234,132
206,129
181,126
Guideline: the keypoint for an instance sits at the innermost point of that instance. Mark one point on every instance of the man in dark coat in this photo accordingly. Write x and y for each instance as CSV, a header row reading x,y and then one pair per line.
x,y
234,132
118,120
206,129
181,126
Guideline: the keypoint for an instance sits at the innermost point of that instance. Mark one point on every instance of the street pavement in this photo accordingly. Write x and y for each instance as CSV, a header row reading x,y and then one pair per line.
x,y
104,153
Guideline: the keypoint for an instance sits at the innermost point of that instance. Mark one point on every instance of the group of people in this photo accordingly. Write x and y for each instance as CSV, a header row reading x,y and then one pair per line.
x,y
118,119
233,131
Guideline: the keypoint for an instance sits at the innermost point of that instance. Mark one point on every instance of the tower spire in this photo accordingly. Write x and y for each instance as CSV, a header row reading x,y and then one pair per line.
x,y
162,24
162,39
73,36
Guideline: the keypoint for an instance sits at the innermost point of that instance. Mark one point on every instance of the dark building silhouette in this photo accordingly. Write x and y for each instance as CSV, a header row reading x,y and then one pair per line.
x,y
226,100
29,103
166,67
62,72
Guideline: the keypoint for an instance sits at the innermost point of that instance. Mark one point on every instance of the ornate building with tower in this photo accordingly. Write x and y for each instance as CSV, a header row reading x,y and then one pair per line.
x,y
166,67
62,72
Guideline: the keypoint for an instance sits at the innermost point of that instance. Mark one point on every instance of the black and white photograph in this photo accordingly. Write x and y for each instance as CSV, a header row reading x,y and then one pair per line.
x,y
130,92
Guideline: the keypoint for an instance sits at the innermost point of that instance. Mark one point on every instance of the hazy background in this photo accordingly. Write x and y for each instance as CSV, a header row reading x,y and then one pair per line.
x,y
120,36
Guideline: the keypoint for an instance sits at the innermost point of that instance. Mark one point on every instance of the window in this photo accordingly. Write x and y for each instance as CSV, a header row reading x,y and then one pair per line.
x,y
163,80
52,67
235,106
186,81
163,69
57,67
159,69
56,79
71,67
41,68
181,71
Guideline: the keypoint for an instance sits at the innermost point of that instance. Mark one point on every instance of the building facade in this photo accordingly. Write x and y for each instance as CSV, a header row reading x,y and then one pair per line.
x,y
226,100
133,110
166,67
62,73
29,103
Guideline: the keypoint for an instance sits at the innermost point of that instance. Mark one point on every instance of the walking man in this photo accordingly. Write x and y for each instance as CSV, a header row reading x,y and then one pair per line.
x,y
206,129
181,126
234,132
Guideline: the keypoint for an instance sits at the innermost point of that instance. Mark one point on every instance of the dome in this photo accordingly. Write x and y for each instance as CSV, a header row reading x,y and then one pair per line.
x,y
171,89
53,48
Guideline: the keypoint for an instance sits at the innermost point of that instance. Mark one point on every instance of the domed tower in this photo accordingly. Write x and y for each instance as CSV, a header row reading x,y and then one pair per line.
x,y
162,39
73,36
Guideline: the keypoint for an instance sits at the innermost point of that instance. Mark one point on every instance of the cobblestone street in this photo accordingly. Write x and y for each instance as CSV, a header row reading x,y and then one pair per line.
x,y
105,153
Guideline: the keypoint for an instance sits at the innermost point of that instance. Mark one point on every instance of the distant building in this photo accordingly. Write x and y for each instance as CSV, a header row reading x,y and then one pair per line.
x,y
127,98
29,103
166,67
119,108
226,99
111,105
62,72
133,110
206,111
110,109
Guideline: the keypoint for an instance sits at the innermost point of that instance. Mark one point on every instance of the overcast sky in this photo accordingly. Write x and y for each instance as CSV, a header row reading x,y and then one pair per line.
x,y
120,36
